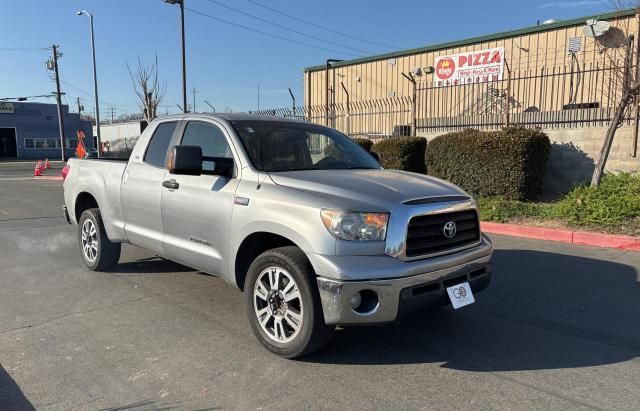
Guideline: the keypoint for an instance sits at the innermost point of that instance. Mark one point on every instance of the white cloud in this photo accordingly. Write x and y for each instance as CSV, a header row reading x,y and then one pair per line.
x,y
571,4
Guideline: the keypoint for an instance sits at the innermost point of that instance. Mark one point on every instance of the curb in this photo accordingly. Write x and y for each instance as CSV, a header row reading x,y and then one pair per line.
x,y
621,242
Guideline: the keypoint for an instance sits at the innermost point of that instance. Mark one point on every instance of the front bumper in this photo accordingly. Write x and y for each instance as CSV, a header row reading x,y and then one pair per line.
x,y
397,297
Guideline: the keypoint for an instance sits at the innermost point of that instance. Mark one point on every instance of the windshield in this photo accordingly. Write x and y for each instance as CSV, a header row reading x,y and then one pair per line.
x,y
286,146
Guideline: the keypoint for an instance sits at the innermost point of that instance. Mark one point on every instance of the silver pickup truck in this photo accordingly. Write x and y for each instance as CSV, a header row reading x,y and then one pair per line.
x,y
296,215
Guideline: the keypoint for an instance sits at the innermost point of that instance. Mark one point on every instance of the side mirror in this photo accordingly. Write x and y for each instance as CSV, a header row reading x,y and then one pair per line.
x,y
375,155
222,166
186,160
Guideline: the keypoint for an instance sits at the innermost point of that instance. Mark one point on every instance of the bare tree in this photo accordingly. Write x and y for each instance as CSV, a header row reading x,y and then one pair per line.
x,y
618,48
148,89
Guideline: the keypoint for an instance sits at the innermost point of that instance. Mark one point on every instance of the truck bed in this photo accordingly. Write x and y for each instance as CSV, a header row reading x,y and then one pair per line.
x,y
102,178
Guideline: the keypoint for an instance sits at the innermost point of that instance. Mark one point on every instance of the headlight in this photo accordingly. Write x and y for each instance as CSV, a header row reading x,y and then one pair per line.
x,y
349,225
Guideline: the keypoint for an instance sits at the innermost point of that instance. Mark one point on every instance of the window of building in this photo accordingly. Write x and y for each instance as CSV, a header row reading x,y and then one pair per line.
x,y
156,154
42,143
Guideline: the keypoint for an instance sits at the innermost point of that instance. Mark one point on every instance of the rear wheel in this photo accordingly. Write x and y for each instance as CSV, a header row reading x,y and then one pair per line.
x,y
98,252
283,304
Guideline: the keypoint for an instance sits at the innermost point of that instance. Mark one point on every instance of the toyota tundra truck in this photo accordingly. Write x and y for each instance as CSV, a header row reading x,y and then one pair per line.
x,y
300,218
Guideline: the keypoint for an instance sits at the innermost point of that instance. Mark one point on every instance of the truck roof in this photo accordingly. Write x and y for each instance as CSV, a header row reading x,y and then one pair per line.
x,y
231,117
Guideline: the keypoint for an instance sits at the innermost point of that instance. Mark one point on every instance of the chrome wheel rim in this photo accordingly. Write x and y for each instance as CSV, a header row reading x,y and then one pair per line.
x,y
89,240
278,305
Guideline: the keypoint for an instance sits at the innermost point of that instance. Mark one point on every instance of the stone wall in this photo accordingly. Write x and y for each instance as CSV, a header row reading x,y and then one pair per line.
x,y
575,151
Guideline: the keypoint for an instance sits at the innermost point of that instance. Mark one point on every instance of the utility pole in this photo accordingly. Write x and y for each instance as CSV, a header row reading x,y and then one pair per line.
x,y
184,58
194,99
80,108
58,98
95,78
258,96
113,111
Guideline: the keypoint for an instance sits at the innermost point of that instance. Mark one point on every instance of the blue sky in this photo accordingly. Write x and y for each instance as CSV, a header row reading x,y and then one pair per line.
x,y
224,62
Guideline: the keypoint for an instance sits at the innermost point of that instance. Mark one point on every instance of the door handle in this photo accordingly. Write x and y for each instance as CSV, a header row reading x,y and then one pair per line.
x,y
171,184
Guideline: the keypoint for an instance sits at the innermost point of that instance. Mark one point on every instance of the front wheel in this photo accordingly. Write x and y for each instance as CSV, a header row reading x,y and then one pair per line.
x,y
98,252
283,303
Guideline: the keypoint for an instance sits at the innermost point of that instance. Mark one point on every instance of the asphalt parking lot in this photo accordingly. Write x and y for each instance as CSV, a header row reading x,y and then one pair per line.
x,y
559,328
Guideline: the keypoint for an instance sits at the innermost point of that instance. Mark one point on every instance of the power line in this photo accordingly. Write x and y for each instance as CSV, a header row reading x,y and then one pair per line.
x,y
269,34
91,95
321,27
287,28
24,48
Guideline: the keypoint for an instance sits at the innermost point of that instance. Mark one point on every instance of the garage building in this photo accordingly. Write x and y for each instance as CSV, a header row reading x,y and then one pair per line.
x,y
30,131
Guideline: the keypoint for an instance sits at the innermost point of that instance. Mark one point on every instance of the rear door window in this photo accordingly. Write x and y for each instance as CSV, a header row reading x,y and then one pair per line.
x,y
156,154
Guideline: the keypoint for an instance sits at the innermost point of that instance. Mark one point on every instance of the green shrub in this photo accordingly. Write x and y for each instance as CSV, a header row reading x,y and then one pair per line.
x,y
502,210
364,143
615,202
508,163
614,207
402,153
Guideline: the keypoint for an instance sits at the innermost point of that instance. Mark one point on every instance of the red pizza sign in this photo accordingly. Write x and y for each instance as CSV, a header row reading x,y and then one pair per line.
x,y
445,68
466,68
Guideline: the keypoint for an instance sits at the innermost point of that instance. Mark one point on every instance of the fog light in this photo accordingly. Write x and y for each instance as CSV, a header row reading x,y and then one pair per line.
x,y
367,302
356,300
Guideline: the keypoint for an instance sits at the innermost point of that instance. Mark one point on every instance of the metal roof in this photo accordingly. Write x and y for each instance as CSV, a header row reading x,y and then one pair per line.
x,y
480,39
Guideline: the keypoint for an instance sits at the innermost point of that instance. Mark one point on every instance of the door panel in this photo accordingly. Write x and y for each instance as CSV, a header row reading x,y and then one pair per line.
x,y
142,191
141,201
196,219
197,215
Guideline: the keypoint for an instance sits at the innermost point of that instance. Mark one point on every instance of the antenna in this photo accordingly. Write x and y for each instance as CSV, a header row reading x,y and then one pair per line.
x,y
596,28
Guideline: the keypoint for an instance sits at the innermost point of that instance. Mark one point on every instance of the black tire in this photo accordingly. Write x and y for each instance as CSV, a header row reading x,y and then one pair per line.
x,y
107,254
313,333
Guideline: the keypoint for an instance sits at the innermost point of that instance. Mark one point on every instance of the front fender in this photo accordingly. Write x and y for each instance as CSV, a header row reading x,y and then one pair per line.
x,y
298,237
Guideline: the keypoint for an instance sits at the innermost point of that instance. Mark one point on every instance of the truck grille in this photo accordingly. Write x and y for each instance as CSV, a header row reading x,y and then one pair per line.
x,y
425,234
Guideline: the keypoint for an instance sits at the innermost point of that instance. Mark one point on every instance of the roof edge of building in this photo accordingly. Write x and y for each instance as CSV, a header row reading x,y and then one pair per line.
x,y
479,39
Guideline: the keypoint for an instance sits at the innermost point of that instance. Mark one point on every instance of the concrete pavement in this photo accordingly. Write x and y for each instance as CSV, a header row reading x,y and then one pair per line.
x,y
559,328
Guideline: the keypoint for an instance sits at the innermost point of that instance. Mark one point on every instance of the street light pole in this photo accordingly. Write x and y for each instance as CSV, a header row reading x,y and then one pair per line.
x,y
95,79
184,58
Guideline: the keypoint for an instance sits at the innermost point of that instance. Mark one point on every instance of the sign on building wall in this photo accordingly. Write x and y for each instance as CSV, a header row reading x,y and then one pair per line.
x,y
6,108
466,68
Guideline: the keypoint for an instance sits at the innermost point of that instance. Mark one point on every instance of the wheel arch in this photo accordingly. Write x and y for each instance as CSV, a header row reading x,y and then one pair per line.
x,y
252,246
84,201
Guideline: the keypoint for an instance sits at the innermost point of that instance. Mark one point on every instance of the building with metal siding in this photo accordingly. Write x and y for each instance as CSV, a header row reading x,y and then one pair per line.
x,y
30,130
530,48
541,81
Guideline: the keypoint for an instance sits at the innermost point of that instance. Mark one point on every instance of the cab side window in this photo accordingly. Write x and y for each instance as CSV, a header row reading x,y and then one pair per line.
x,y
156,154
212,141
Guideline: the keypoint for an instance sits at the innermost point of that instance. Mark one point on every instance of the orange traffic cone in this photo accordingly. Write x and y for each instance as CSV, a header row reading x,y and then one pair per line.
x,y
37,172
46,164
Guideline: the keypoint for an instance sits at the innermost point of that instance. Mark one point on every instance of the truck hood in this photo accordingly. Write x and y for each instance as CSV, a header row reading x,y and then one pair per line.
x,y
366,190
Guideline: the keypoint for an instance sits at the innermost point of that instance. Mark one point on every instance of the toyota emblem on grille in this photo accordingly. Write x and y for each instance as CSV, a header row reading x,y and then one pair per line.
x,y
449,229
